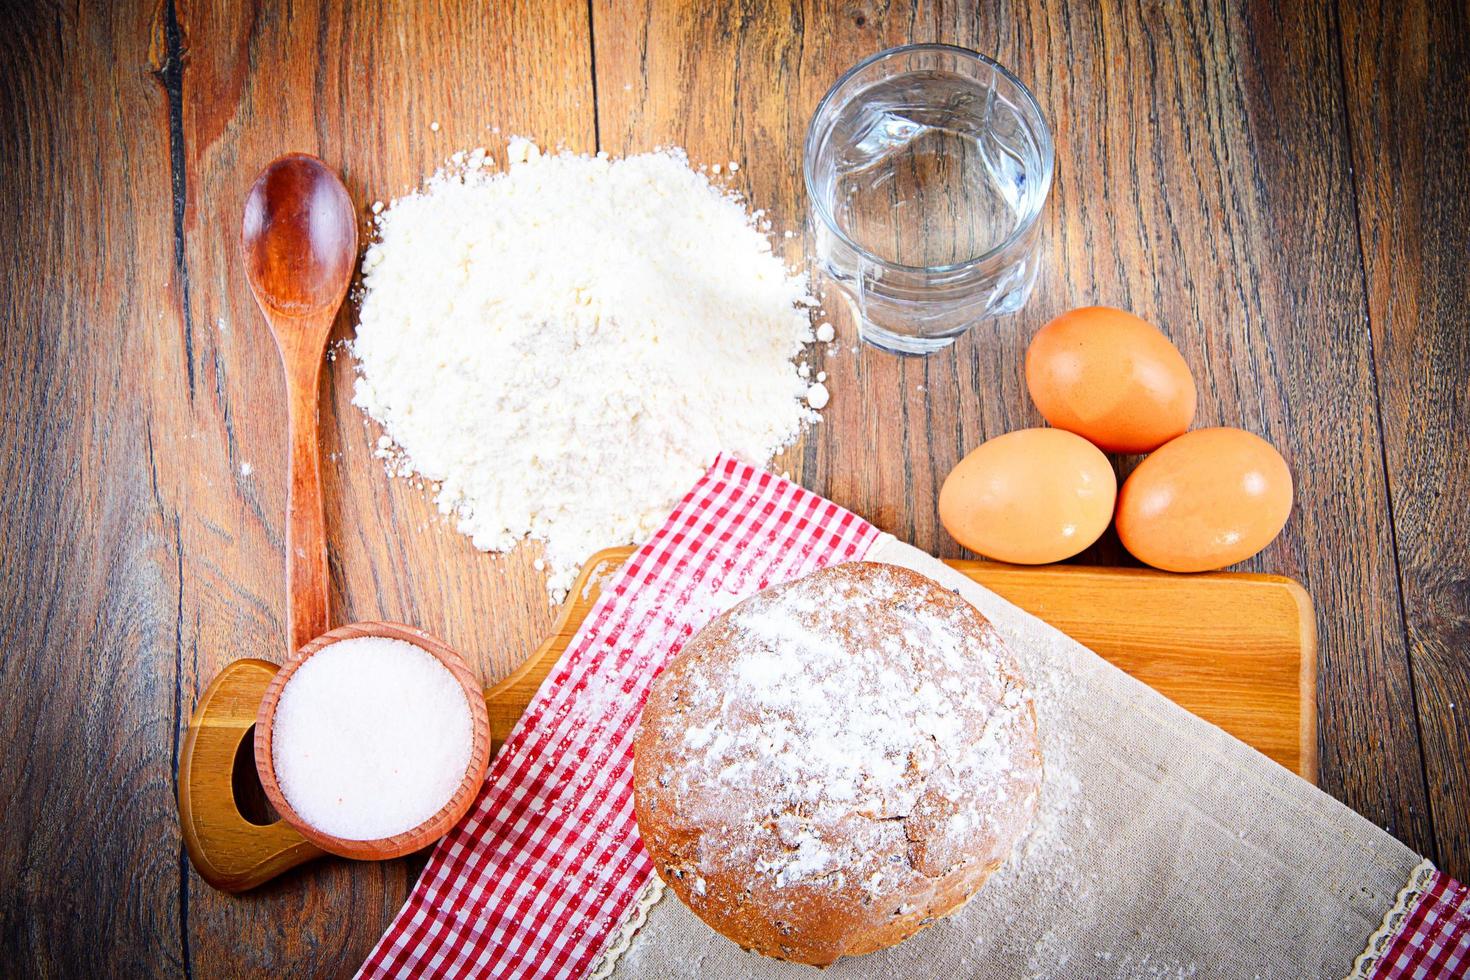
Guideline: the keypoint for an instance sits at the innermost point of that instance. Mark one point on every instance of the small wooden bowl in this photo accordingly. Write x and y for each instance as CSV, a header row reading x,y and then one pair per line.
x,y
430,830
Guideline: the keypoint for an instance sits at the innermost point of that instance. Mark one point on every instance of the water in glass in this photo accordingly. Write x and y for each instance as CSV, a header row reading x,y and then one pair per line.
x,y
927,168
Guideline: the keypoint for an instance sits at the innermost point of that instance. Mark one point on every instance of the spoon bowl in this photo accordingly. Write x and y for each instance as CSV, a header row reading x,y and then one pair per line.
x,y
300,237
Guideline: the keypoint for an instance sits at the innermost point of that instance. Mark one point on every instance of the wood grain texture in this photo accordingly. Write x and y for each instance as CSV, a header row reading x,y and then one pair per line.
x,y
358,85
89,579
1202,182
1238,650
1407,80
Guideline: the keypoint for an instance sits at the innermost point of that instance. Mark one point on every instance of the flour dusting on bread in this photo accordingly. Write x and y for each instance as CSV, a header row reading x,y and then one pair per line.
x,y
836,762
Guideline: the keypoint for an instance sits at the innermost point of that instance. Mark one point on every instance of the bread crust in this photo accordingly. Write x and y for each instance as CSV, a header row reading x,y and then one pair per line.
x,y
835,763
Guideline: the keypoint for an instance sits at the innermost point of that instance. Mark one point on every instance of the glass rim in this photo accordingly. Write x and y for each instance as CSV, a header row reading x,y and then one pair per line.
x,y
820,207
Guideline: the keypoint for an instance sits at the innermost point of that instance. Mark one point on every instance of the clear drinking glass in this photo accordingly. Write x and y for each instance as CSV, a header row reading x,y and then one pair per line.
x,y
926,167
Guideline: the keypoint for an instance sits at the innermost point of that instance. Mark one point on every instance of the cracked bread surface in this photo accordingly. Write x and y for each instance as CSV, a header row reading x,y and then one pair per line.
x,y
835,763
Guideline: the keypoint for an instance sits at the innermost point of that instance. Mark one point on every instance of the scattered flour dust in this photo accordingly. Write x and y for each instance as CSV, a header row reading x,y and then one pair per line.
x,y
562,347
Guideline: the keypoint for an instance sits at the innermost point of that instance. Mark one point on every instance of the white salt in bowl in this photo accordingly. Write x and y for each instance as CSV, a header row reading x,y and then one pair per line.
x,y
424,731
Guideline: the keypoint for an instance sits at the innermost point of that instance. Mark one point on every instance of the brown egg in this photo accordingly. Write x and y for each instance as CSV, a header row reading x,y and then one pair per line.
x,y
1112,378
1030,497
1208,499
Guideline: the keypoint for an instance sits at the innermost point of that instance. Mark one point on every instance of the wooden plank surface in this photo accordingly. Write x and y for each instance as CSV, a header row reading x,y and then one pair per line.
x,y
1206,179
89,579
1407,78
1238,650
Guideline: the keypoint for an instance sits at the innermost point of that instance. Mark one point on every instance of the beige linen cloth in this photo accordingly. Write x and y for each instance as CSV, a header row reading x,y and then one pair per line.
x,y
1163,848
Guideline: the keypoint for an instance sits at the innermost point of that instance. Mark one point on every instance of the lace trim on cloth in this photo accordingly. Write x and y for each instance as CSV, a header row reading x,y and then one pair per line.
x,y
622,937
1378,944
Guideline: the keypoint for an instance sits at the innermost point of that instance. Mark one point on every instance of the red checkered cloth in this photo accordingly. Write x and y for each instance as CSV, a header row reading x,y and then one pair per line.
x,y
1433,938
539,875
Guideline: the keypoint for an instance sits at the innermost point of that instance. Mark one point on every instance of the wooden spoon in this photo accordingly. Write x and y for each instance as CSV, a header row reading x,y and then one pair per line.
x,y
300,244
300,239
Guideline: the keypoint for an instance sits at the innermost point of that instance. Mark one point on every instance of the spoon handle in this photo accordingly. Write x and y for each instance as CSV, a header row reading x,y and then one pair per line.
x,y
307,580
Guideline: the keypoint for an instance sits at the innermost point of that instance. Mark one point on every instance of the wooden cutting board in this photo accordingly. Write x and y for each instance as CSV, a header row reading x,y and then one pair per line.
x,y
1238,650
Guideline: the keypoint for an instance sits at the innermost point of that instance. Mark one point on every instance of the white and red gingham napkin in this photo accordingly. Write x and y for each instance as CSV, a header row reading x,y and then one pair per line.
x,y
538,878
533,882
1428,938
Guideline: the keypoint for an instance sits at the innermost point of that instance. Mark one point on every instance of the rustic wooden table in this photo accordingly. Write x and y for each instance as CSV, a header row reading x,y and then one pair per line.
x,y
1283,187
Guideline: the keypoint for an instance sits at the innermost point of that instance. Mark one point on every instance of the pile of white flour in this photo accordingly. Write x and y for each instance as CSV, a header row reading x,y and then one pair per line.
x,y
562,347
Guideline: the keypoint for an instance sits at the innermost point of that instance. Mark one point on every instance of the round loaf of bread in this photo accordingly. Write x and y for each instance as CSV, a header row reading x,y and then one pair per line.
x,y
835,763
